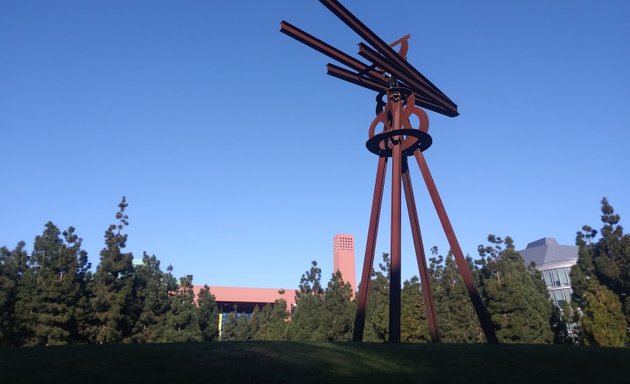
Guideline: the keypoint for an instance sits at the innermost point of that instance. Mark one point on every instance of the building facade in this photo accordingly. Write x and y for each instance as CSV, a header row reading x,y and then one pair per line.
x,y
245,299
554,261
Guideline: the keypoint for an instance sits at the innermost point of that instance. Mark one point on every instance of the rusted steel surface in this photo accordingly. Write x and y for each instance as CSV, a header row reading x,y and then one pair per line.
x,y
395,103
462,264
328,50
355,78
378,85
370,247
398,66
425,97
425,280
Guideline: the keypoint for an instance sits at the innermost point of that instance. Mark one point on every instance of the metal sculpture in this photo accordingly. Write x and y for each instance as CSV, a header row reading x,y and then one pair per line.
x,y
407,91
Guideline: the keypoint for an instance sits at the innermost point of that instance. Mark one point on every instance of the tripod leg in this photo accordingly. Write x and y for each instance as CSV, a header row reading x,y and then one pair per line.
x,y
420,255
368,261
462,264
394,273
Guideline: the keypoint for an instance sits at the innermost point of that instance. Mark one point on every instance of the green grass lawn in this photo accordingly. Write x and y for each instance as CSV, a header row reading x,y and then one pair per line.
x,y
290,362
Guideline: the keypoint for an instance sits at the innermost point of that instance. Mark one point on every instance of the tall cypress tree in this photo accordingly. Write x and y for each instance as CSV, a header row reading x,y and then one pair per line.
x,y
13,265
112,299
518,303
49,293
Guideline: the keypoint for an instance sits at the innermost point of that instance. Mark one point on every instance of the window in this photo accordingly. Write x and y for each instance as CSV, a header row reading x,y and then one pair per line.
x,y
547,277
558,297
564,277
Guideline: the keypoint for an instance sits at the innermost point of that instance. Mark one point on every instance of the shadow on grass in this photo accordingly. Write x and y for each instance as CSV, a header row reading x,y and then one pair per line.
x,y
290,362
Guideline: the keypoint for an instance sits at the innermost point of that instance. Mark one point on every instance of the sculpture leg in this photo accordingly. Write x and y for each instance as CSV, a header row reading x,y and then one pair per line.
x,y
462,264
394,273
368,261
420,255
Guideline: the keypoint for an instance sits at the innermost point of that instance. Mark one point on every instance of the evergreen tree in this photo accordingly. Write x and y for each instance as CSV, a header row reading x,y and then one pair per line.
x,y
338,310
564,324
611,254
603,322
306,319
50,290
13,265
414,326
518,303
207,312
151,300
603,262
457,320
182,322
272,322
237,326
112,300
377,314
228,332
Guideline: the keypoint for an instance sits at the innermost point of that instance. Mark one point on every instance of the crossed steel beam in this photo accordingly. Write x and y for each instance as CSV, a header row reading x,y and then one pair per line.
x,y
382,56
389,73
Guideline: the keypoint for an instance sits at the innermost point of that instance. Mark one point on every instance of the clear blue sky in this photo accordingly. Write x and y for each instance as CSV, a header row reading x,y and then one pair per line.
x,y
240,158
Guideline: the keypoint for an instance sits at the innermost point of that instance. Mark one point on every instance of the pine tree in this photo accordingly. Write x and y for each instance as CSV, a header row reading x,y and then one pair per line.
x,y
338,310
603,322
414,326
457,320
151,300
13,265
564,323
306,321
272,322
112,299
377,314
238,327
50,290
182,323
602,270
207,312
519,305
611,255
229,326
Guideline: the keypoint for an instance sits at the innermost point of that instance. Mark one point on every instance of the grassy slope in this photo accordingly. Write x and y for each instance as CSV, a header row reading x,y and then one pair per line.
x,y
286,362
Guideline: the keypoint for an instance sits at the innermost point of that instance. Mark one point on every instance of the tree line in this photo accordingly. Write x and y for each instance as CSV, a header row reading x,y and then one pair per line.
x,y
52,297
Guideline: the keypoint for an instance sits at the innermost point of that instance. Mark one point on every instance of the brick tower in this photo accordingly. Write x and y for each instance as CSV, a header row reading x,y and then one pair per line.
x,y
343,259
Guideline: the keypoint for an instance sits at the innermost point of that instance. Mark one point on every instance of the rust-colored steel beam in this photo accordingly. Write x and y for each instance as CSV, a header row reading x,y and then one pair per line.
x,y
425,281
379,86
356,78
462,264
368,260
434,99
400,64
328,50
395,100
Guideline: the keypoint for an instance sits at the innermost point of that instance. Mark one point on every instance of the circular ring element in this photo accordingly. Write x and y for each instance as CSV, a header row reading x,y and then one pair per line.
x,y
381,144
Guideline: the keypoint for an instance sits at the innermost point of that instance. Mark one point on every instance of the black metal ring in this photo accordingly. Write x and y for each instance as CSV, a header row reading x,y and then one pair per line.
x,y
422,142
